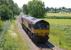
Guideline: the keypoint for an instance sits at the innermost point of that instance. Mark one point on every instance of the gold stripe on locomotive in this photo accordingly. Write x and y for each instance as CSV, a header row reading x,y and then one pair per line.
x,y
41,32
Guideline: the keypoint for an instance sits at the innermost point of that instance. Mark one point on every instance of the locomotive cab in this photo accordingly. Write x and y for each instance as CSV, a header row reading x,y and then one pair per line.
x,y
41,30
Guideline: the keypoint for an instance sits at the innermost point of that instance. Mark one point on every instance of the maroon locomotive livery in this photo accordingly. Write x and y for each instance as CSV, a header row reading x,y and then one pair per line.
x,y
39,28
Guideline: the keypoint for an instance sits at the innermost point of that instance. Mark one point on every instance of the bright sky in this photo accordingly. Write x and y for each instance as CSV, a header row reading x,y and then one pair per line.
x,y
49,3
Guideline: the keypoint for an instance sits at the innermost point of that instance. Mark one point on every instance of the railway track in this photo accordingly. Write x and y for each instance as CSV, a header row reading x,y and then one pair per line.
x,y
47,46
25,33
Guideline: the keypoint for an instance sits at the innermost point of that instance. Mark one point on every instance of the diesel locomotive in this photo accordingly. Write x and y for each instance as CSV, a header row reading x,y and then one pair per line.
x,y
38,27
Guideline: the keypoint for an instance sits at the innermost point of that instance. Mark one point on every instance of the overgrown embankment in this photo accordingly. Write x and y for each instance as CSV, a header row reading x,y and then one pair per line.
x,y
10,38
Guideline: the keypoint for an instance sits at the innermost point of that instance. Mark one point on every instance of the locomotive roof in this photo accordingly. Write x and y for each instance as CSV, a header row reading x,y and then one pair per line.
x,y
32,19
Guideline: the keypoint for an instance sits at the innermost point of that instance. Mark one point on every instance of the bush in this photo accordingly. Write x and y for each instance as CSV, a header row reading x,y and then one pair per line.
x,y
1,24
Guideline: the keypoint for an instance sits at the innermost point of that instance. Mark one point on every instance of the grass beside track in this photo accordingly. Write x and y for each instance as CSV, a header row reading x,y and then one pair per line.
x,y
60,32
12,39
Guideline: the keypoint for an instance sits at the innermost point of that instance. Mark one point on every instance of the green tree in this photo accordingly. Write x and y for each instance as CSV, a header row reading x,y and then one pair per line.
x,y
25,10
5,12
36,8
16,9
8,9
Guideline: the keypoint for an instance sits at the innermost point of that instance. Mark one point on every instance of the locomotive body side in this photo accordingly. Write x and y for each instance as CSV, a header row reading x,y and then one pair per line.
x,y
27,24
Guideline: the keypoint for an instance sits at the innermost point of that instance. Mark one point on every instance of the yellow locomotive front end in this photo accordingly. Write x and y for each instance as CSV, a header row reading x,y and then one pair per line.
x,y
41,31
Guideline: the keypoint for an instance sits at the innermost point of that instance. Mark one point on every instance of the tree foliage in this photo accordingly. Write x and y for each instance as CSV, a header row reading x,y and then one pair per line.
x,y
5,12
58,10
8,9
25,10
36,8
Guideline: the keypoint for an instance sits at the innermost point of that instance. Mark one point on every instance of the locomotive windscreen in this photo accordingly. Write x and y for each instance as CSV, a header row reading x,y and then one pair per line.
x,y
41,25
